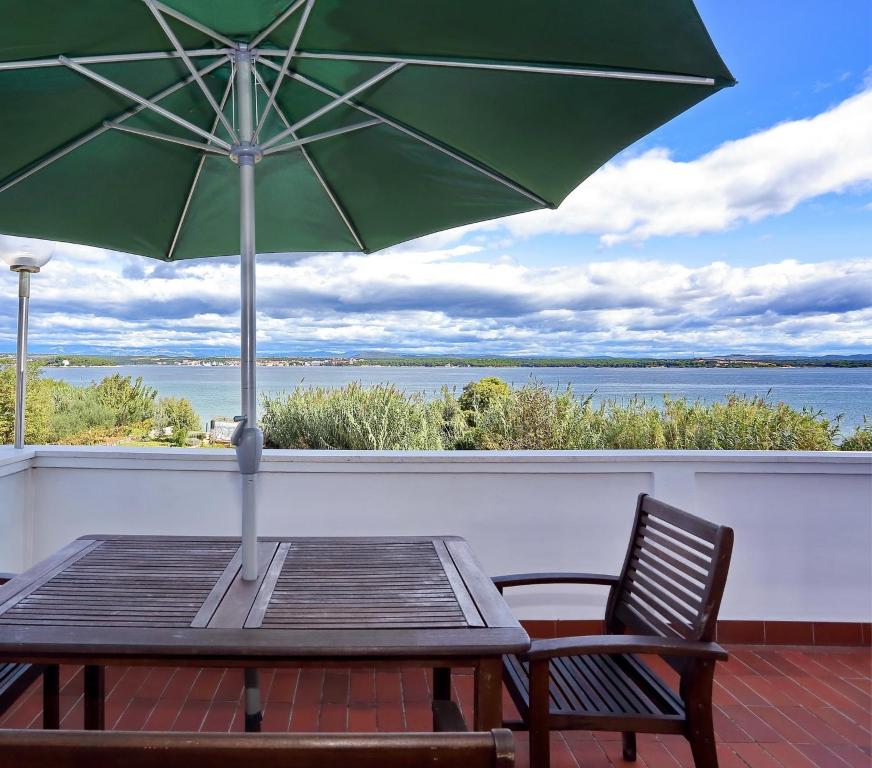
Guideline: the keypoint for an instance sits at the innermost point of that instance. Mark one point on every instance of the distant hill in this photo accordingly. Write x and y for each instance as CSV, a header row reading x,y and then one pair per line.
x,y
726,361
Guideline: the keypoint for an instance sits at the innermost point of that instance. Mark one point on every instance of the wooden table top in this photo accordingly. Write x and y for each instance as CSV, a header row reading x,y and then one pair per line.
x,y
106,598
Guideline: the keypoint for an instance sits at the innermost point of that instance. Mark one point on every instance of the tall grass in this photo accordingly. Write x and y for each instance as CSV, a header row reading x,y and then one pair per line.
x,y
379,418
536,417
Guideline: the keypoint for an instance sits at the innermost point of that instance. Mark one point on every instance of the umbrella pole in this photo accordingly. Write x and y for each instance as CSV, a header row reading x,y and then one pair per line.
x,y
249,443
21,356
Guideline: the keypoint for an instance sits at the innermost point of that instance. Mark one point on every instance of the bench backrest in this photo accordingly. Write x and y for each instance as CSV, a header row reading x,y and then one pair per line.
x,y
673,576
110,749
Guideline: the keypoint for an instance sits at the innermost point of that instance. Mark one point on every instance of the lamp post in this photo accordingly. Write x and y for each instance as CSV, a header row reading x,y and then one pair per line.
x,y
26,262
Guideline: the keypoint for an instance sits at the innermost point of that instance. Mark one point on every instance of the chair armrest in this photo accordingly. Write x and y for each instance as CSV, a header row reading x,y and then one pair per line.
x,y
662,646
4,577
526,579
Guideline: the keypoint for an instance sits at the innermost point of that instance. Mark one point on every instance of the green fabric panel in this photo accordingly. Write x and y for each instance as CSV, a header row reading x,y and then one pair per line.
x,y
298,100
237,19
293,211
396,188
547,133
666,35
54,106
118,191
38,29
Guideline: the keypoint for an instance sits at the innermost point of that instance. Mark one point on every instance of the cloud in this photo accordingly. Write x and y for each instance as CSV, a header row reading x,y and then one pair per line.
x,y
765,174
450,300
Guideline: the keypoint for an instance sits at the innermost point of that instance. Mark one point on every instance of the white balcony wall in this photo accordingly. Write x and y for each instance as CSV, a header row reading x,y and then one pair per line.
x,y
16,510
803,521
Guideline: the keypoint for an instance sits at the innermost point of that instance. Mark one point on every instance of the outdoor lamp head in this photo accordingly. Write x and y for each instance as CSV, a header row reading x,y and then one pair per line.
x,y
22,255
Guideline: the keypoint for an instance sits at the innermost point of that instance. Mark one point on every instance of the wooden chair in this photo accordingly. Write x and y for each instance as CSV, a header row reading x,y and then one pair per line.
x,y
110,749
15,679
667,597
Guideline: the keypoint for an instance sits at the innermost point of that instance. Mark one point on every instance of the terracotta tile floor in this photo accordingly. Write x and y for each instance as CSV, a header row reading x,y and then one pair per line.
x,y
775,706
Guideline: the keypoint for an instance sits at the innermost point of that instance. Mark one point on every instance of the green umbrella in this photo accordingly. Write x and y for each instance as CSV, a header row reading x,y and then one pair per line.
x,y
140,126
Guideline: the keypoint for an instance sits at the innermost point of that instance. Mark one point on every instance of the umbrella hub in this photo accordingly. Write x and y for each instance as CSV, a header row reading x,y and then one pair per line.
x,y
246,153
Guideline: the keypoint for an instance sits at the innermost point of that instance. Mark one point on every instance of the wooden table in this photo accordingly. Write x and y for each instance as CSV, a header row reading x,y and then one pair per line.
x,y
181,601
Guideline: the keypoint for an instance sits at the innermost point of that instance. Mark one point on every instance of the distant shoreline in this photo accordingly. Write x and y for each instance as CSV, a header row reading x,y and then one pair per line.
x,y
94,361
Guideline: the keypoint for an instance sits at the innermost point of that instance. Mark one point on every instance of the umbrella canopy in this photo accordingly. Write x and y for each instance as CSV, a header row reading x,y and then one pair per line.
x,y
392,118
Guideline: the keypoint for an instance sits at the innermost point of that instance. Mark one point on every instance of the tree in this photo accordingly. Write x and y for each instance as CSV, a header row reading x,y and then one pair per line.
x,y
132,402
178,414
478,396
37,410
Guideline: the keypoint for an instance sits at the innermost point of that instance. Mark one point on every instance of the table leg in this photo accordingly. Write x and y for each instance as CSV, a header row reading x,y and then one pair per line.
x,y
95,698
441,690
489,694
253,715
51,691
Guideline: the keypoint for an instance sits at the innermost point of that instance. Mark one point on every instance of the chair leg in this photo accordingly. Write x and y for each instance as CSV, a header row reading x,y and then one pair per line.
x,y
540,736
51,685
702,744
441,691
629,742
700,728
95,698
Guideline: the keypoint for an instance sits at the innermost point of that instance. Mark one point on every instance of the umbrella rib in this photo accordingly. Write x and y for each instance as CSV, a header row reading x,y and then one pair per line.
x,y
340,209
193,23
284,70
155,9
266,32
167,137
113,86
340,99
194,181
296,143
544,69
48,159
111,58
423,138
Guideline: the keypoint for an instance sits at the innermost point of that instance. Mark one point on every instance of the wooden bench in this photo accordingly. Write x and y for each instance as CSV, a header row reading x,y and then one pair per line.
x,y
667,597
15,679
110,749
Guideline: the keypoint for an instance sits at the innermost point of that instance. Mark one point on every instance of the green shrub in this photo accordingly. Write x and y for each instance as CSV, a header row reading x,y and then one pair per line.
x,y
352,417
533,417
746,424
58,412
37,408
445,412
478,396
78,410
861,440
176,413
131,401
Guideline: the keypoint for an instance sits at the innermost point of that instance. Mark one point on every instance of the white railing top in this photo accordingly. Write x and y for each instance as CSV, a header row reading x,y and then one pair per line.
x,y
111,457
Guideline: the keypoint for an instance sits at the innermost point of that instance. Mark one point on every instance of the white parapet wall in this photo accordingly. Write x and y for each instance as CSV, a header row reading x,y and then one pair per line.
x,y
803,521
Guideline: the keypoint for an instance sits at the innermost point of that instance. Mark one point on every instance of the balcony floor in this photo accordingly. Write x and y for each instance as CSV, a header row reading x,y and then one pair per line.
x,y
775,706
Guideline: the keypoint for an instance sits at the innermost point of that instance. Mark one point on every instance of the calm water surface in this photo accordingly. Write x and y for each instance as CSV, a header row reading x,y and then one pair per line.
x,y
215,391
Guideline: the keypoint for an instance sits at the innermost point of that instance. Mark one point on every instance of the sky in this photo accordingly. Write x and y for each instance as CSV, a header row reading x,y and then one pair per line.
x,y
741,227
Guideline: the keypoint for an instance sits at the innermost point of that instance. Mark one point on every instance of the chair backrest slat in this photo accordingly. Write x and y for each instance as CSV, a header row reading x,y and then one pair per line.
x,y
110,749
673,576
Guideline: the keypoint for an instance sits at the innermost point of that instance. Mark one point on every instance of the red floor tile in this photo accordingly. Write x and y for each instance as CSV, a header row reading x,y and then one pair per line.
x,y
797,707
